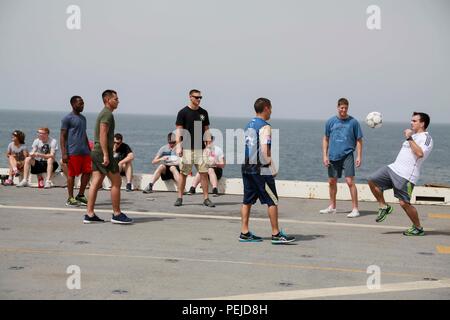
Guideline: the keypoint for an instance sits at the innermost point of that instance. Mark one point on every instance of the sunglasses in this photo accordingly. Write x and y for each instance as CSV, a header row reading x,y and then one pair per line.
x,y
197,97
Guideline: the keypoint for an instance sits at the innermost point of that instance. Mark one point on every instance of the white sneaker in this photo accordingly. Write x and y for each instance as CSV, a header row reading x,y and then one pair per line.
x,y
23,183
353,214
48,184
328,210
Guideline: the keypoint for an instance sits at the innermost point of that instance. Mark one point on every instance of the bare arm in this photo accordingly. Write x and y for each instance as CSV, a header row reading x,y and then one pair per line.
x,y
325,144
359,145
104,128
416,149
221,163
179,147
62,143
128,158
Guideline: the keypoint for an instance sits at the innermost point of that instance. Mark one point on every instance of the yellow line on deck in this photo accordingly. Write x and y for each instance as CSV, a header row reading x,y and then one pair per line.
x,y
195,260
443,249
439,215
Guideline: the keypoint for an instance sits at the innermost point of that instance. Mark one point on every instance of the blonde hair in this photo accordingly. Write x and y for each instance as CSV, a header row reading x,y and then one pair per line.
x,y
47,130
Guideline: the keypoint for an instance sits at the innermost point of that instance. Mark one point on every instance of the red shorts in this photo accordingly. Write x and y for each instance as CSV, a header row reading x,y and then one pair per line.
x,y
79,164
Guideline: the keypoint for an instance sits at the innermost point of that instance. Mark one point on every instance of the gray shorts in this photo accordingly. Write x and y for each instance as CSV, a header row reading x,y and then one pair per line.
x,y
346,164
386,179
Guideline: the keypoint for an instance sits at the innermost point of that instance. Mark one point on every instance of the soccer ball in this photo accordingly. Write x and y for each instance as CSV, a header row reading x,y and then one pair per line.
x,y
374,120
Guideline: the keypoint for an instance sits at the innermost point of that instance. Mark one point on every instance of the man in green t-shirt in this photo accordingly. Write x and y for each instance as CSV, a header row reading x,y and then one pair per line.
x,y
103,162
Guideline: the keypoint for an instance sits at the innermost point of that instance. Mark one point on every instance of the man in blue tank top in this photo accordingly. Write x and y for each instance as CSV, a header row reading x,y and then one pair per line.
x,y
258,174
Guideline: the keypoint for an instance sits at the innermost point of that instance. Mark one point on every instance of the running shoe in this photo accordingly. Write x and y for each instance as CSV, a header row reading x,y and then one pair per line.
x,y
249,237
414,231
208,203
383,213
48,184
178,203
128,188
148,189
72,202
355,213
82,200
93,219
8,182
328,210
23,183
121,219
282,238
191,191
215,192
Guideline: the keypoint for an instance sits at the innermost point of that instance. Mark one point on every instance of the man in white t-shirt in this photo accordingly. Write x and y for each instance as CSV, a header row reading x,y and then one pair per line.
x,y
41,159
215,163
403,174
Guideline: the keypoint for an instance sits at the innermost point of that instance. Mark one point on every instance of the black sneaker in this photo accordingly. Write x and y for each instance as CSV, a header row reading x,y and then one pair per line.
x,y
208,203
121,219
215,192
191,191
129,187
383,213
282,238
179,202
249,237
93,219
148,189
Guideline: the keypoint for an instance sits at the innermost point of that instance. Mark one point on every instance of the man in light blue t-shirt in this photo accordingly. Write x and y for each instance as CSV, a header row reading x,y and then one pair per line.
x,y
343,135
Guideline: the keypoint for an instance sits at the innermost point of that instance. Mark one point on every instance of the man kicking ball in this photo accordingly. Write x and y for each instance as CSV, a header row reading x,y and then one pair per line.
x,y
404,173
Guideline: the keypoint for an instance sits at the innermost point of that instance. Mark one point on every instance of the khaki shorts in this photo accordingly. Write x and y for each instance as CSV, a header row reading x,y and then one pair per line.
x,y
193,157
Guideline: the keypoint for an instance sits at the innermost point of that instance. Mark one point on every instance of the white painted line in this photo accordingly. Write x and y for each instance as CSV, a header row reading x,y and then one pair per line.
x,y
216,217
340,291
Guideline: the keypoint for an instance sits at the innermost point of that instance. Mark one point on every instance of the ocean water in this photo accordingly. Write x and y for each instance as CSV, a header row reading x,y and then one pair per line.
x,y
300,142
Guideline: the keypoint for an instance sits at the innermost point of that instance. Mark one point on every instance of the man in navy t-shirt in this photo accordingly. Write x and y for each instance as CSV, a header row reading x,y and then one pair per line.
x,y
343,135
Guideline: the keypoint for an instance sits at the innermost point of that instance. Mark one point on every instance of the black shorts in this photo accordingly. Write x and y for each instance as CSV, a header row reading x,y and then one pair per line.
x,y
260,187
40,166
168,175
218,172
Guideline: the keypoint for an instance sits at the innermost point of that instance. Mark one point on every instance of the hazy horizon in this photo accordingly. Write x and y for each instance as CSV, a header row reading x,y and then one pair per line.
x,y
303,55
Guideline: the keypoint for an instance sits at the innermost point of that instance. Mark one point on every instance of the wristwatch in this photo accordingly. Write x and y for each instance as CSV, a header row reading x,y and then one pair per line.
x,y
409,139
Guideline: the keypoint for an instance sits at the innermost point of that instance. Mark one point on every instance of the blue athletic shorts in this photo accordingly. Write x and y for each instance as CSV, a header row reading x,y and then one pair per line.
x,y
260,187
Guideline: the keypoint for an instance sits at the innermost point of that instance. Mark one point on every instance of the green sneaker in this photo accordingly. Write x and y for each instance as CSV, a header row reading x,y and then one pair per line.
x,y
414,231
72,202
383,213
82,200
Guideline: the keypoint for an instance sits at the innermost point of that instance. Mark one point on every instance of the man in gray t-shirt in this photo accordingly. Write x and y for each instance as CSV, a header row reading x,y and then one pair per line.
x,y
41,159
168,162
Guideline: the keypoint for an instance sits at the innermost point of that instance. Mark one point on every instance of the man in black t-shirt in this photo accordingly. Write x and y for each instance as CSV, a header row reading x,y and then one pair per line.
x,y
124,156
192,126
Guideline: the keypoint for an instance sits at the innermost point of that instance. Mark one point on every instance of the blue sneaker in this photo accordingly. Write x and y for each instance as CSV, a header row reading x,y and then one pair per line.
x,y
282,238
121,219
93,219
249,237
